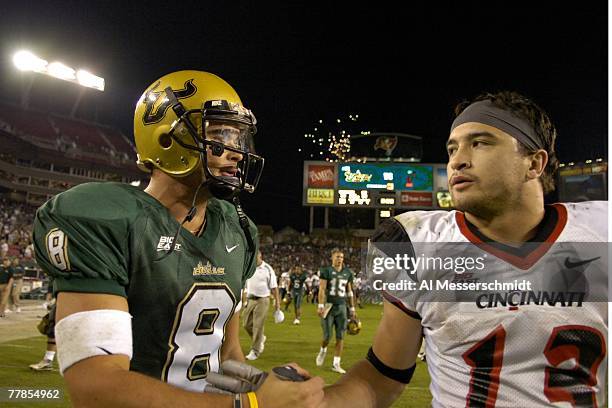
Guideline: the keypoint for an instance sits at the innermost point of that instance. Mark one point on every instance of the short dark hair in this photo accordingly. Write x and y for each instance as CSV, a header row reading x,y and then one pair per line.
x,y
539,120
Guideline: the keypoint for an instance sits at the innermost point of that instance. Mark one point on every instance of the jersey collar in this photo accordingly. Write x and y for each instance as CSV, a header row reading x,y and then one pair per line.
x,y
525,256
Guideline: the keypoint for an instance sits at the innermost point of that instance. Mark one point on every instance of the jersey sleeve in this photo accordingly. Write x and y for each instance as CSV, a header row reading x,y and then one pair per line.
x,y
324,273
82,242
389,241
273,282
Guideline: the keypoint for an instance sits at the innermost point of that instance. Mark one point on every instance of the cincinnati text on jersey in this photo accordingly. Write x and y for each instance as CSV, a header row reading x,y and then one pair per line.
x,y
517,298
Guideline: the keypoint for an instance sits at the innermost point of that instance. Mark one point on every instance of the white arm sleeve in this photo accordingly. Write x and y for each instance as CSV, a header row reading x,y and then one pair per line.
x,y
93,333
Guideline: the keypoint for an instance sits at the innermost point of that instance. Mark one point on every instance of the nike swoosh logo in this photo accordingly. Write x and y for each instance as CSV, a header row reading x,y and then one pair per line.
x,y
105,350
573,264
229,250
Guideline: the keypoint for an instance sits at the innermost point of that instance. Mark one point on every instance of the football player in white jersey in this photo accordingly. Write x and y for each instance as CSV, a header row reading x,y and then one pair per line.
x,y
521,348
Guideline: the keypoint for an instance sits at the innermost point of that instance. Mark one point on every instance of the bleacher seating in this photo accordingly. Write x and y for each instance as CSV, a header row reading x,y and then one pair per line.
x,y
118,141
29,123
76,138
85,135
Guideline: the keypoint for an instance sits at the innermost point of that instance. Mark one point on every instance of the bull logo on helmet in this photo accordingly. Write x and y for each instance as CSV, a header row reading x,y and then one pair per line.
x,y
157,103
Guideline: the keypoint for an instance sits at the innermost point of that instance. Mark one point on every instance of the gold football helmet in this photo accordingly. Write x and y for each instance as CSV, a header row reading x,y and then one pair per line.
x,y
354,326
184,115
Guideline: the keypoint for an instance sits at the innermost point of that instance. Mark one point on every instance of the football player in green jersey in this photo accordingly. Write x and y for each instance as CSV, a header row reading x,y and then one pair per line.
x,y
149,283
296,283
335,287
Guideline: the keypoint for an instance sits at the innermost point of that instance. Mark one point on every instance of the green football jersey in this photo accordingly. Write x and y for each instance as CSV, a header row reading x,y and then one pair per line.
x,y
113,238
336,283
297,281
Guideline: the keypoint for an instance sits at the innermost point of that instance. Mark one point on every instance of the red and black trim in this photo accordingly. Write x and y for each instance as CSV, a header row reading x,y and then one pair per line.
x,y
400,305
525,256
485,359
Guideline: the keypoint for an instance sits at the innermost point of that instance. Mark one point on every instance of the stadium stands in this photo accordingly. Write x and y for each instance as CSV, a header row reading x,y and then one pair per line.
x,y
28,124
118,141
66,134
86,137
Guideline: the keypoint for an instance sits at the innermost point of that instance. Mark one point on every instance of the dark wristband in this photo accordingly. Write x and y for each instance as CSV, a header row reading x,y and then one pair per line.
x,y
403,376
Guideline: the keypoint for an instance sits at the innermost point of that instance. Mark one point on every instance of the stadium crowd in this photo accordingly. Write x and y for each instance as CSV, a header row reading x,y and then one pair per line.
x,y
16,231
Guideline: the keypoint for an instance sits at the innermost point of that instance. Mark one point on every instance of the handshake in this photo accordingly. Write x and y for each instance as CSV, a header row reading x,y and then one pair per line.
x,y
288,385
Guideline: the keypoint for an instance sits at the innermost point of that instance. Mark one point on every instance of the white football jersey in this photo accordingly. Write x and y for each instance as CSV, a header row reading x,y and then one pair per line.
x,y
515,348
284,280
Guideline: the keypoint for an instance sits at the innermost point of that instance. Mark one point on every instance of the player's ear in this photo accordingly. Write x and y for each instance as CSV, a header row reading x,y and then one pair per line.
x,y
537,164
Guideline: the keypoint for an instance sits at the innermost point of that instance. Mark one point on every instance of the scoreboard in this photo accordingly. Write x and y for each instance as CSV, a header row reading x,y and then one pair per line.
x,y
375,185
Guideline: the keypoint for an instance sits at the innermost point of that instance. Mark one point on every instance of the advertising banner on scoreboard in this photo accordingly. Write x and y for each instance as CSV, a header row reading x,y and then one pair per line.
x,y
399,177
320,196
321,176
416,199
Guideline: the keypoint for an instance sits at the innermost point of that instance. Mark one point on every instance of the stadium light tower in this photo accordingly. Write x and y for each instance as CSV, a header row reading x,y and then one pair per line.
x,y
26,61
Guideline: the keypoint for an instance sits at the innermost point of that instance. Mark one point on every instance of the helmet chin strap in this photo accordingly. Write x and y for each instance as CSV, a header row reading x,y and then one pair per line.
x,y
223,192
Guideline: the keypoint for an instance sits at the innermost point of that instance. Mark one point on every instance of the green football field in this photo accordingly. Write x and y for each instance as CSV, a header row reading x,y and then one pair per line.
x,y
286,342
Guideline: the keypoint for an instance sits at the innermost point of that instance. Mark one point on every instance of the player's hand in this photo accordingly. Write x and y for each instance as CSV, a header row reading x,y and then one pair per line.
x,y
275,392
320,311
237,378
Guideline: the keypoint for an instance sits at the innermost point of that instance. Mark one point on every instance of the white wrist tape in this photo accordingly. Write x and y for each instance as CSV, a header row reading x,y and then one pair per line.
x,y
93,333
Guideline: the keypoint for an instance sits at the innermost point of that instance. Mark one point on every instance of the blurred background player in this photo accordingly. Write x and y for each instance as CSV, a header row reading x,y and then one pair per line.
x,y
283,285
335,287
357,283
315,287
308,287
297,283
15,297
47,327
6,283
256,297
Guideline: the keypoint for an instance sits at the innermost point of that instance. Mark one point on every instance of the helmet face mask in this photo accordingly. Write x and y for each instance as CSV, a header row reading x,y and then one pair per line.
x,y
218,136
198,119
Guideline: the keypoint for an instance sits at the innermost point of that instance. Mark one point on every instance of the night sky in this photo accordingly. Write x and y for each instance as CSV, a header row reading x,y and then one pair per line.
x,y
401,69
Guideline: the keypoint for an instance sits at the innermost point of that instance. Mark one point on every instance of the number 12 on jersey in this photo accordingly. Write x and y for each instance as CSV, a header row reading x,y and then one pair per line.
x,y
582,344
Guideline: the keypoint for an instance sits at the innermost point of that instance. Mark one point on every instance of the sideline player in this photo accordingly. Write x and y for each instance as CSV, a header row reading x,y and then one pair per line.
x,y
283,284
335,286
501,164
297,284
256,297
47,327
315,286
149,282
6,283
